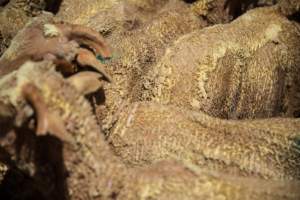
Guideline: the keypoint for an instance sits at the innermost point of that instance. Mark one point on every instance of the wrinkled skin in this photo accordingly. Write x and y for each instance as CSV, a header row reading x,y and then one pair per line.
x,y
245,69
149,132
138,42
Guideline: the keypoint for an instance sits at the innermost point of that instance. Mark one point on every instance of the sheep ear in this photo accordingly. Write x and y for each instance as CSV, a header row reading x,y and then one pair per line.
x,y
86,82
46,122
32,96
87,58
86,37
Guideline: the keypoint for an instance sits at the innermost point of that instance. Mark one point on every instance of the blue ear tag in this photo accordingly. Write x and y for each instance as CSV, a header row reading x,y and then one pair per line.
x,y
102,59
